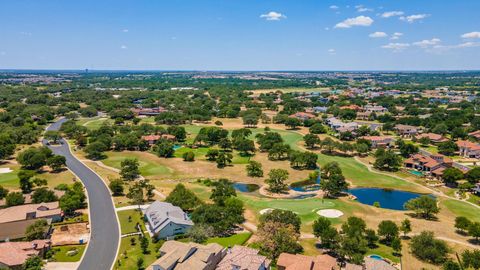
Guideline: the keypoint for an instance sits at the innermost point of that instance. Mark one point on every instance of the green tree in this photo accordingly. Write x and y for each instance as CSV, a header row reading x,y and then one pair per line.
x,y
284,217
129,169
24,177
276,180
3,192
397,245
136,194
447,148
33,263
311,140
424,206
73,199
14,198
95,150
387,160
224,159
254,169
451,265
164,149
56,162
426,248
116,186
451,176
292,122
276,238
471,258
52,135
317,128
474,230
188,156
199,233
36,230
333,182
43,195
473,175
388,230
462,224
406,227
183,198
212,154
371,238
144,244
222,190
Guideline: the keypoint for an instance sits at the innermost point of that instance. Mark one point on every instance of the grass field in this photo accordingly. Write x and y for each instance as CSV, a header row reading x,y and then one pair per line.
x,y
10,180
60,253
147,166
462,209
128,226
236,239
129,254
385,252
202,151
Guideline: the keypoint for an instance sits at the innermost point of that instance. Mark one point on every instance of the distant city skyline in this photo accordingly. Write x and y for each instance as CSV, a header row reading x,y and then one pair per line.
x,y
245,35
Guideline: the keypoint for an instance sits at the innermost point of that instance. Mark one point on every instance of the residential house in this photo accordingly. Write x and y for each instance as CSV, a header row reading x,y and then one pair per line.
x,y
475,134
468,149
15,220
320,109
340,126
14,254
434,138
188,256
476,189
378,110
301,262
153,139
243,258
303,116
379,141
363,115
148,111
428,164
166,220
406,130
351,107
371,264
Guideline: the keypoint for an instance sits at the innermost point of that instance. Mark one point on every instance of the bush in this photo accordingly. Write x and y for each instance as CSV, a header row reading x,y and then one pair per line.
x,y
188,156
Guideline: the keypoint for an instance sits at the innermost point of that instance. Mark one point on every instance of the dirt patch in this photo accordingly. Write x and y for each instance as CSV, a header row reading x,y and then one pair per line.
x,y
70,234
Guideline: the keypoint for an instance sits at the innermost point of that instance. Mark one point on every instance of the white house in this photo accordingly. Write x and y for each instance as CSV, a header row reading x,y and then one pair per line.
x,y
167,220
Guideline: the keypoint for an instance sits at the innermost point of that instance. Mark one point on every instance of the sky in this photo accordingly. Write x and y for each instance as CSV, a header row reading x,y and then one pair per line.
x,y
240,35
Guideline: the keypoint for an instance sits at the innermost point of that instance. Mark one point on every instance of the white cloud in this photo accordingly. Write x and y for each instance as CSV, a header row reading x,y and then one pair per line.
x,y
361,8
413,18
123,47
357,21
396,35
334,7
125,30
427,42
396,47
273,16
378,35
471,35
332,51
389,14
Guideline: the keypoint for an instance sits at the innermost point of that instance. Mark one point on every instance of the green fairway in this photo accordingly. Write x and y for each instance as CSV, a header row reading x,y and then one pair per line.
x,y
202,151
9,180
462,209
236,239
147,166
97,123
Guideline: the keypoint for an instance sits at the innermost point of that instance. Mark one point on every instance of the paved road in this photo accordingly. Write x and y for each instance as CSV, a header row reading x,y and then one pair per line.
x,y
102,249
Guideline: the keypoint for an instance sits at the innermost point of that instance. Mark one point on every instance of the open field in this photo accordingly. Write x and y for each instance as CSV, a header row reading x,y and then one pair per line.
x,y
61,253
129,254
236,239
129,219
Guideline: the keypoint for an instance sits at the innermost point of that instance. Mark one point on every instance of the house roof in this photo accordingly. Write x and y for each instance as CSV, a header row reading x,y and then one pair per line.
x,y
243,258
432,136
16,213
372,264
302,262
16,229
16,253
160,214
186,256
475,133
468,145
377,138
424,160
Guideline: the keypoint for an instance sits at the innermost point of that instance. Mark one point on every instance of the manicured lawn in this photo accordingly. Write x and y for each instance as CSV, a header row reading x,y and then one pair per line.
x,y
236,239
60,253
128,225
385,252
147,166
97,123
462,209
202,151
129,254
9,180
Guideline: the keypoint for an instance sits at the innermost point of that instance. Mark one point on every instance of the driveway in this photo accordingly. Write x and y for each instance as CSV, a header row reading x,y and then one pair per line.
x,y
104,240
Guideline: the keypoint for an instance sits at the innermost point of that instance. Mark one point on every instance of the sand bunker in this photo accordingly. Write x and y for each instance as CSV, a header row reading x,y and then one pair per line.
x,y
330,213
5,170
265,211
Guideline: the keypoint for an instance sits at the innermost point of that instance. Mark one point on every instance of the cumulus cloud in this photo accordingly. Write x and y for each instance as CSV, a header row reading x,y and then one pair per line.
x,y
357,21
396,35
396,47
378,35
334,7
426,43
471,35
273,16
332,51
389,14
413,18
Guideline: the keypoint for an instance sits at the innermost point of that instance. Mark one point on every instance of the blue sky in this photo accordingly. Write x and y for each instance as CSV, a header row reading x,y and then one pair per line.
x,y
240,34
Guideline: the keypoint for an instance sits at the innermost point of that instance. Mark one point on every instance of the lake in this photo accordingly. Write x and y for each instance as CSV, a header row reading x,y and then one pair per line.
x,y
242,187
388,198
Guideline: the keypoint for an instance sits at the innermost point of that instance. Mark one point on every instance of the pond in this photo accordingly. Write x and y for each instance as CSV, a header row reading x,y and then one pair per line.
x,y
177,146
307,187
387,198
242,187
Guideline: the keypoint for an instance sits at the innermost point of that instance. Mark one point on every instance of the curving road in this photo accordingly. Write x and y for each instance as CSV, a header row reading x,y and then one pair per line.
x,y
104,240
